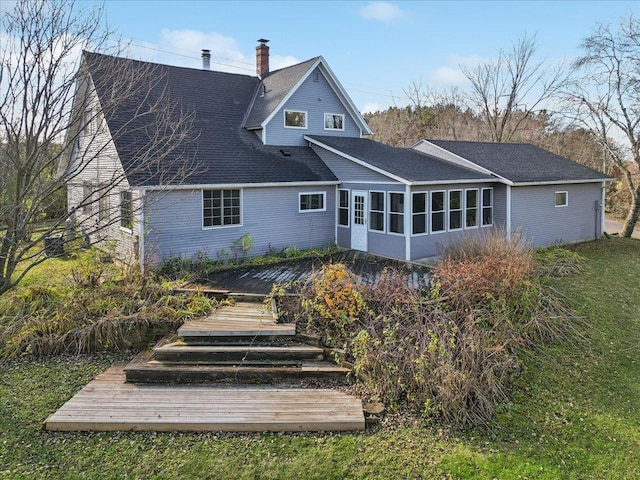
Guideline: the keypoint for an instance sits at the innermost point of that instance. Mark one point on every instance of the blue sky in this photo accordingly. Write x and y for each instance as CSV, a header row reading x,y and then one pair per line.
x,y
375,48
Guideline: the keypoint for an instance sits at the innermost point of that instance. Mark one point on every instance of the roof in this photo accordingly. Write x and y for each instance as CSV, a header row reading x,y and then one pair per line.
x,y
277,85
521,162
225,152
408,164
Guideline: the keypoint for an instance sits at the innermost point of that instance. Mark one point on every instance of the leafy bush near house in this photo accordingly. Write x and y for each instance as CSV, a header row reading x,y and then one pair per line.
x,y
449,351
100,307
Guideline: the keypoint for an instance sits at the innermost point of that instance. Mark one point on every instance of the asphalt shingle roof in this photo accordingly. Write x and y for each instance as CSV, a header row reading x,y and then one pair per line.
x,y
521,162
405,163
224,152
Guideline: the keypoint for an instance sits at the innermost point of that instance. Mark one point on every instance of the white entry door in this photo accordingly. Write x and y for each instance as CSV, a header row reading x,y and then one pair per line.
x,y
359,220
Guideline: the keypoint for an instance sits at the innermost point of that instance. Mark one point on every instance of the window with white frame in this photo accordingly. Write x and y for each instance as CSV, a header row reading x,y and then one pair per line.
x,y
471,208
295,119
343,207
438,211
376,211
419,213
220,208
455,209
87,198
487,207
311,202
562,199
333,121
126,209
396,212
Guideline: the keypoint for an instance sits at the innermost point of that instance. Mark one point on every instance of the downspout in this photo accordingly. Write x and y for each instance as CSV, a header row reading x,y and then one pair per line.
x,y
141,230
602,200
508,226
336,217
407,224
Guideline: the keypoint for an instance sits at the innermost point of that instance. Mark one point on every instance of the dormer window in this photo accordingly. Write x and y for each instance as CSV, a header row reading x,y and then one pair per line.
x,y
295,119
333,121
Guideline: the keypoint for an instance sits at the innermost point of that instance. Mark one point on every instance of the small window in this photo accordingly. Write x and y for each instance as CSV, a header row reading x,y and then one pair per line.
x,y
487,207
311,202
333,121
419,213
455,209
295,119
343,208
437,211
220,208
562,199
103,205
316,75
126,210
87,198
471,208
396,212
376,211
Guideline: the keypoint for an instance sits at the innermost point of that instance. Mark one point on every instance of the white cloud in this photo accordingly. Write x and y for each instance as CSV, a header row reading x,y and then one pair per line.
x,y
451,73
383,12
370,107
277,62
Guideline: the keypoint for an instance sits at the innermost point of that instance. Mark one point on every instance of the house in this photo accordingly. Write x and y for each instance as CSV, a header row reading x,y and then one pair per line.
x,y
281,157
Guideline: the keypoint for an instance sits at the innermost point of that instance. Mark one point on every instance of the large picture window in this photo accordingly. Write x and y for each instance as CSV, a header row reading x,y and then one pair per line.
x,y
396,212
471,208
487,207
419,213
437,212
295,119
455,209
126,210
220,208
310,202
343,208
376,211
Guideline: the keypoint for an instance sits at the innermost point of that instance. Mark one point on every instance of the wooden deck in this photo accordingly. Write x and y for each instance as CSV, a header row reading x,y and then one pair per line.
x,y
110,404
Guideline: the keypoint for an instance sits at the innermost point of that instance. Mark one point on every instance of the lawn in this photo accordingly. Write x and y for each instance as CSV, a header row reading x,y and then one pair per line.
x,y
574,415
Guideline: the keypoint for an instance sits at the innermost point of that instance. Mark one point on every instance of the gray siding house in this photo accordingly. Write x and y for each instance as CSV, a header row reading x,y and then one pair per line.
x,y
281,157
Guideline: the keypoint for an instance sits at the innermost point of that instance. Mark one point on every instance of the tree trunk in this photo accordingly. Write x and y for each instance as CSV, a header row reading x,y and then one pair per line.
x,y
632,216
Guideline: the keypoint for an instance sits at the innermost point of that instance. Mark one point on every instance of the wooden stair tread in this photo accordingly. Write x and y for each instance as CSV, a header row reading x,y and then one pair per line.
x,y
109,404
238,348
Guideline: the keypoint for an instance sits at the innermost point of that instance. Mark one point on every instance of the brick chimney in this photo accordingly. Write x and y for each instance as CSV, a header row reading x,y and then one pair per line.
x,y
262,58
206,59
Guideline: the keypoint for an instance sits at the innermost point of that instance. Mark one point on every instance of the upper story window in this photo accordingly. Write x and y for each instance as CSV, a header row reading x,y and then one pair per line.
x,y
562,199
295,119
333,121
220,208
310,202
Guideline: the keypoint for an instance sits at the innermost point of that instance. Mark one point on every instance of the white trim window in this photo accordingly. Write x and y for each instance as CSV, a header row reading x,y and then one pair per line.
x,y
376,211
334,121
471,208
438,211
312,202
419,213
295,119
562,198
343,207
221,208
455,210
126,210
487,207
396,212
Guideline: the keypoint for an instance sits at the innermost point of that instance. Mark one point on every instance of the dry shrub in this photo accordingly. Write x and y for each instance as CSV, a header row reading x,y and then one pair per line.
x,y
110,311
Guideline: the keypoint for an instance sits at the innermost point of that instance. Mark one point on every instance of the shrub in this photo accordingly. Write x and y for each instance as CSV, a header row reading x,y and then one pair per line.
x,y
103,307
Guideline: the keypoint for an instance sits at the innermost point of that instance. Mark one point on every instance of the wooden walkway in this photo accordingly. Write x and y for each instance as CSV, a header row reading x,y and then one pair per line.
x,y
110,404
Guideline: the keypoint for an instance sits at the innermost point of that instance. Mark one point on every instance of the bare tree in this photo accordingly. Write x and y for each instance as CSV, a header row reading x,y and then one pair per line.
x,y
54,132
506,91
605,98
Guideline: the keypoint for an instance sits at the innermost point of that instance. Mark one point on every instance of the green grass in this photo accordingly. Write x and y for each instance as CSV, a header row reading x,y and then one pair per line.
x,y
575,414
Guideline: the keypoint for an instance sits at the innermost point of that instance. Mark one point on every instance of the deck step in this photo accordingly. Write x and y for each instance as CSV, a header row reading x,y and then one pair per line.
x,y
110,404
179,352
145,370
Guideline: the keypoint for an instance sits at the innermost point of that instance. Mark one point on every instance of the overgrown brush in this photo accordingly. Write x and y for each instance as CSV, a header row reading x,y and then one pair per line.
x,y
448,351
100,307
